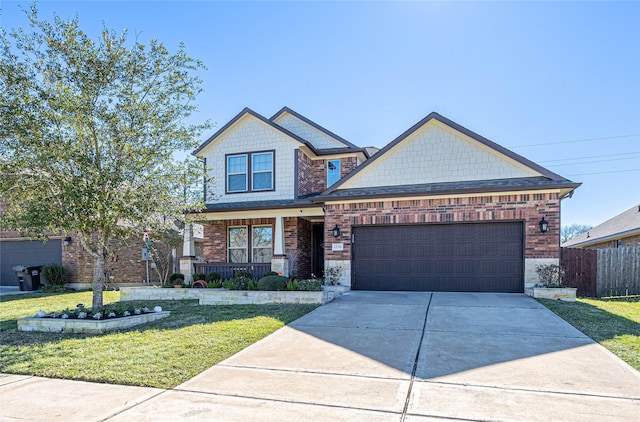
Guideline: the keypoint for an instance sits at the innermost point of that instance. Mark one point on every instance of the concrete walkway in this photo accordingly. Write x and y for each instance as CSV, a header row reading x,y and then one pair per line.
x,y
391,356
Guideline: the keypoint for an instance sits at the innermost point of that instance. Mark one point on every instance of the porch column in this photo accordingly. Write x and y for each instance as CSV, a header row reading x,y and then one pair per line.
x,y
188,254
279,261
278,241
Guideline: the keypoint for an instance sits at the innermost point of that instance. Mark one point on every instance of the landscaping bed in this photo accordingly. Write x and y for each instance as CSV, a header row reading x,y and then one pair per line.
x,y
226,297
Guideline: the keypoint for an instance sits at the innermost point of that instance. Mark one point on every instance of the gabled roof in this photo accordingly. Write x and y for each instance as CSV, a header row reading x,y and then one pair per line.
x,y
622,225
327,132
350,148
244,112
553,179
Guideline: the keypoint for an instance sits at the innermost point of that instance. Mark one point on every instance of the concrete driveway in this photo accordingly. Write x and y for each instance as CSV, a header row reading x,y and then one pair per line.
x,y
376,356
393,356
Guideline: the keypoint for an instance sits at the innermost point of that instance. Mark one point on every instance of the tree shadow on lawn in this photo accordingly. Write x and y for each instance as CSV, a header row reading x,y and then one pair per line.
x,y
20,346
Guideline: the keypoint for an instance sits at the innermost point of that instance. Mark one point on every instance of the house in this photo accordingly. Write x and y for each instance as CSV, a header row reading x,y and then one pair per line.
x,y
623,230
125,267
440,208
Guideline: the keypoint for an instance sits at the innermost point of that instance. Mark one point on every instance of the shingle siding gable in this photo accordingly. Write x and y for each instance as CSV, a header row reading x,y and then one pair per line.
x,y
435,153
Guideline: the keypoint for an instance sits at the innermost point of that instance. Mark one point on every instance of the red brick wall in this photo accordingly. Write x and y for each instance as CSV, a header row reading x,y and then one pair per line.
x,y
312,174
126,266
214,248
298,241
527,207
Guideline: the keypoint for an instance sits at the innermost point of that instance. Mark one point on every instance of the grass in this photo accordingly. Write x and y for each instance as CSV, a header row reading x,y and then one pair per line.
x,y
614,323
161,354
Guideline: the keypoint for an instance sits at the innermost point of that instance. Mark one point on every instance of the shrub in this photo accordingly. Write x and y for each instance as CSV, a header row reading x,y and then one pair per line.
x,y
198,276
237,283
55,274
333,275
292,285
270,273
273,282
310,285
245,274
214,284
176,278
213,276
252,285
550,275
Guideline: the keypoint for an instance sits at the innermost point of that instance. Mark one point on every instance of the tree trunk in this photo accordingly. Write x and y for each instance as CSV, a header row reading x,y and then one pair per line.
x,y
98,280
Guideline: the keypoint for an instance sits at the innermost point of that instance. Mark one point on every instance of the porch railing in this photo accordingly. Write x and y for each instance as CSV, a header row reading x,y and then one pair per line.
x,y
228,270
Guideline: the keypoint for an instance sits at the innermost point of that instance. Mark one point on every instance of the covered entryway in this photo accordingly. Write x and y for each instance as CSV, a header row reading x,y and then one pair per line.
x,y
460,257
26,252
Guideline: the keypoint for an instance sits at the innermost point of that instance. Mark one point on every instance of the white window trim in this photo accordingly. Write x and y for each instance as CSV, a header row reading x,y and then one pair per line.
x,y
252,237
263,171
246,173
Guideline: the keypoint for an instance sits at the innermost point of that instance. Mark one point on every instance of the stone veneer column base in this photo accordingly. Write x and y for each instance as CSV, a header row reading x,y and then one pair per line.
x,y
280,264
345,265
530,275
186,268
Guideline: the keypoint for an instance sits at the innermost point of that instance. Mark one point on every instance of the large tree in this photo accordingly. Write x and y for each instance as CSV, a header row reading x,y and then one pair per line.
x,y
88,132
569,232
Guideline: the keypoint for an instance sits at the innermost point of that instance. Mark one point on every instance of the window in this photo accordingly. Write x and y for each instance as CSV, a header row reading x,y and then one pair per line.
x,y
237,173
250,172
261,243
333,172
238,244
260,239
262,171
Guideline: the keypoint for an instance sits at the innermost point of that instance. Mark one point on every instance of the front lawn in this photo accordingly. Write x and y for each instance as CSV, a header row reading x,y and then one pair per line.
x,y
614,323
161,354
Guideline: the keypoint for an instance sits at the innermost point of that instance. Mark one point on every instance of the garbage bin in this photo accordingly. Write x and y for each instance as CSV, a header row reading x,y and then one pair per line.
x,y
28,277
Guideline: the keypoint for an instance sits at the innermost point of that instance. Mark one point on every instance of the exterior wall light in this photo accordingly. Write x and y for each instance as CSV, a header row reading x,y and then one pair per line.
x,y
336,231
66,241
544,225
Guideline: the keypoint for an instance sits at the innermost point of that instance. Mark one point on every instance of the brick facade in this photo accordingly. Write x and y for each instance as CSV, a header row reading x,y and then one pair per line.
x,y
311,175
527,207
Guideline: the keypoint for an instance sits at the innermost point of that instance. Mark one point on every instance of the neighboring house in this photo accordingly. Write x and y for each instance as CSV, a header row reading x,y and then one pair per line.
x,y
440,208
623,230
126,267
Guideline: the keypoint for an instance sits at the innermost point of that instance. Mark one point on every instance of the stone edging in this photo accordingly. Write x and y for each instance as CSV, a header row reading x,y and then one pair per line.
x,y
59,325
226,297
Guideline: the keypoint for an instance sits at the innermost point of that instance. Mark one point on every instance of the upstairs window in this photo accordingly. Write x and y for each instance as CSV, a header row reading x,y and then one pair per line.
x,y
262,171
333,172
249,172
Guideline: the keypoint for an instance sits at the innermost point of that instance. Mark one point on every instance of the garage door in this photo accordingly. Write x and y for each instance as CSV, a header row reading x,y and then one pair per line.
x,y
469,257
26,252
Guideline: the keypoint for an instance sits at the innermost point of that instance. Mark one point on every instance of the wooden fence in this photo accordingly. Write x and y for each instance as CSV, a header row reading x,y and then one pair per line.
x,y
602,272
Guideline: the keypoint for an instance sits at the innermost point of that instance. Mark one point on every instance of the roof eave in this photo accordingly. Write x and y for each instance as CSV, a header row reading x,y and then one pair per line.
x,y
446,192
596,240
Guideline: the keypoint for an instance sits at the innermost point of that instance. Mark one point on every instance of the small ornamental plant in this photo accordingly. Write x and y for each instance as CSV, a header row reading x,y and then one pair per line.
x,y
110,311
550,275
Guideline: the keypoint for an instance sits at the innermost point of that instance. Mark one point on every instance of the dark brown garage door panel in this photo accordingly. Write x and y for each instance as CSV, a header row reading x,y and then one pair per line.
x,y
465,257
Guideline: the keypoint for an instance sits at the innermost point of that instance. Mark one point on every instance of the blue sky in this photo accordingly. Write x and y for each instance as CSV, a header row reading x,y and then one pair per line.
x,y
557,82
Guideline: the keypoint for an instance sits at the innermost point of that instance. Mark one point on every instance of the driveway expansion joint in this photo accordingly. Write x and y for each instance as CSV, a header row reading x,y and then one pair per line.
x,y
415,362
